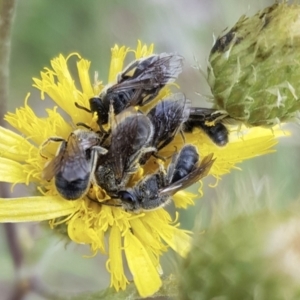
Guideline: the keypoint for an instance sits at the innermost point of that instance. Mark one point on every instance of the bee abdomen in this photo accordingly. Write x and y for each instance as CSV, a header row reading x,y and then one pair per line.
x,y
71,190
186,162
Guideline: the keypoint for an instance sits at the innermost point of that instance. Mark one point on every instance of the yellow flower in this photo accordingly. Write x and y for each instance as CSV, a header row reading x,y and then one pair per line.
x,y
142,237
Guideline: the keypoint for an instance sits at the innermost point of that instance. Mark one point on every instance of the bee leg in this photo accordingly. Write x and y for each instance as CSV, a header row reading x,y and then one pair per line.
x,y
51,139
84,125
182,135
150,98
107,202
82,107
104,134
102,131
163,175
166,142
100,150
159,157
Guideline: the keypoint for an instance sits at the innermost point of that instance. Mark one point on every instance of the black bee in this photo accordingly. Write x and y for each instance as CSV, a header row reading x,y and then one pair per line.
x,y
167,117
74,164
210,121
131,136
156,190
138,84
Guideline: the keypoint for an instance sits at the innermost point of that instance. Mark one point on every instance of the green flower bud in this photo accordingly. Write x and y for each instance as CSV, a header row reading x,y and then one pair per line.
x,y
252,257
254,71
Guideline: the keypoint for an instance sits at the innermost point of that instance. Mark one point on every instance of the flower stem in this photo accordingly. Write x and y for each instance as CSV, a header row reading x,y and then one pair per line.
x,y
7,13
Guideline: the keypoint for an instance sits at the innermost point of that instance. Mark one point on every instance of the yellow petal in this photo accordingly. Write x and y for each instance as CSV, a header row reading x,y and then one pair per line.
x,y
60,67
13,146
115,263
154,257
145,275
60,86
36,128
176,238
245,144
258,141
116,64
146,235
80,232
12,171
143,50
29,209
183,199
83,67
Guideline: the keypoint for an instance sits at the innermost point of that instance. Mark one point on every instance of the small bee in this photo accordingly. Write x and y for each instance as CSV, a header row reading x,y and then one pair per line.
x,y
131,136
137,84
167,117
201,117
156,190
74,164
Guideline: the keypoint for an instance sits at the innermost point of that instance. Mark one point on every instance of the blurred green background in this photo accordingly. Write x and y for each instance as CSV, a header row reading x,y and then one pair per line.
x,y
43,29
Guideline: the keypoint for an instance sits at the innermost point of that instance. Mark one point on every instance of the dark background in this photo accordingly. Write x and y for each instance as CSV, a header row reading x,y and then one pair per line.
x,y
44,29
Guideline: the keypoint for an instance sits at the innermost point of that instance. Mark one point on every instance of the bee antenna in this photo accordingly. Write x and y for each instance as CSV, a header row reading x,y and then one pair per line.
x,y
83,125
82,107
107,203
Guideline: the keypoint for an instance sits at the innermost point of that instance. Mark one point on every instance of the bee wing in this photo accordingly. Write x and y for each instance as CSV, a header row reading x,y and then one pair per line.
x,y
53,167
148,74
164,68
167,117
131,131
75,164
200,172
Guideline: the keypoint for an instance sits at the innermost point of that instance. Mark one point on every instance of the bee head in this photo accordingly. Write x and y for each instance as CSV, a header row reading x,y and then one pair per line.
x,y
96,105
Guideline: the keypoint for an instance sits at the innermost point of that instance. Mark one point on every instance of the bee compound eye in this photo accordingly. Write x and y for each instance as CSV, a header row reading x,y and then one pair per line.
x,y
127,196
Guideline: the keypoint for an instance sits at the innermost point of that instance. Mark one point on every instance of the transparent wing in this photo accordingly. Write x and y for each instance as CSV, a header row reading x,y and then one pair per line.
x,y
53,167
200,172
147,75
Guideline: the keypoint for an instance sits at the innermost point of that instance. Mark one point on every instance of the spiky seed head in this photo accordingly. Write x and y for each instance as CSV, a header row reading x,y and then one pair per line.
x,y
254,68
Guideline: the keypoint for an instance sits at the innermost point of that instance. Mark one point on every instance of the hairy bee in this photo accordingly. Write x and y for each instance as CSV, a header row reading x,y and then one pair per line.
x,y
74,164
131,136
167,117
201,117
156,190
137,84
